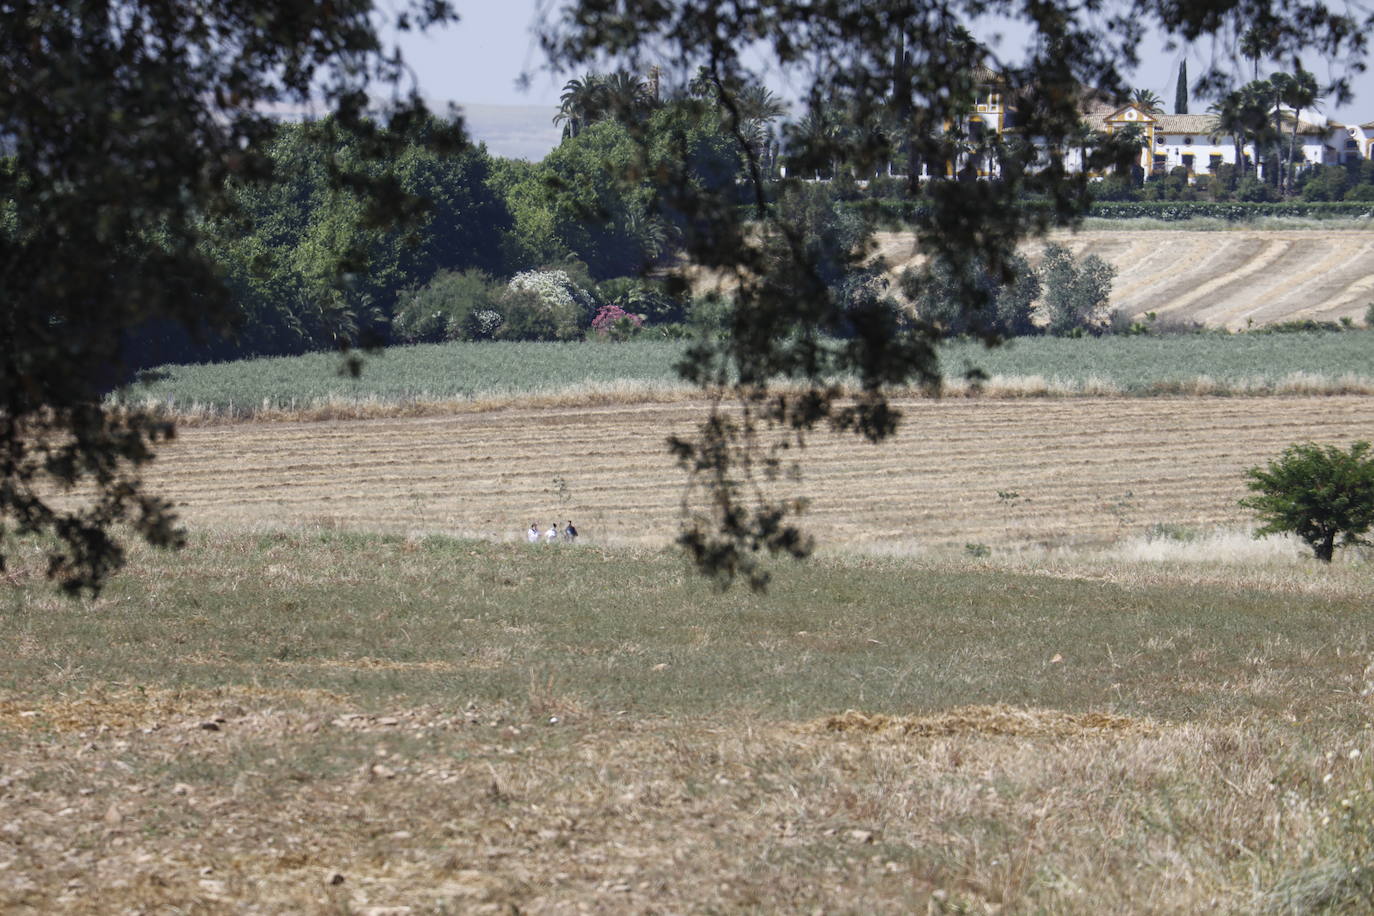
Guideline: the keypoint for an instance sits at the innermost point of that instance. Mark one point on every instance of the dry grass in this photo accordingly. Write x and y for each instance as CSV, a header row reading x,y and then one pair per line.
x,y
987,720
1192,747
286,812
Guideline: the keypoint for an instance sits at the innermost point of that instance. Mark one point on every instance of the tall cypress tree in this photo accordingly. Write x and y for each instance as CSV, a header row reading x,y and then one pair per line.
x,y
1181,93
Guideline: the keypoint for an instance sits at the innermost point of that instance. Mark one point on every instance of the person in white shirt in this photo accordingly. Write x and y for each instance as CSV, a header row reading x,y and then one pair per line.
x,y
533,534
551,536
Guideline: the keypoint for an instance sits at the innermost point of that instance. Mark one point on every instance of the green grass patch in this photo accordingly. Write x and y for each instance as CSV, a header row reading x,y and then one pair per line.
x,y
425,372
463,371
386,620
1150,365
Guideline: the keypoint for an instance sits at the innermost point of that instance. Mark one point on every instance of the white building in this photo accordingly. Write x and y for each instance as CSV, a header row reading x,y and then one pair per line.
x,y
1353,141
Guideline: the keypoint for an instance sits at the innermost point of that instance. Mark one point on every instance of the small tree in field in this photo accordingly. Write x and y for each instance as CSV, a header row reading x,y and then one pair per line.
x,y
1317,492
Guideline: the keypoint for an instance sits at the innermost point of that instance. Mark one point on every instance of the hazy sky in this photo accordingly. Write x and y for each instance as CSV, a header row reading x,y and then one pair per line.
x,y
479,60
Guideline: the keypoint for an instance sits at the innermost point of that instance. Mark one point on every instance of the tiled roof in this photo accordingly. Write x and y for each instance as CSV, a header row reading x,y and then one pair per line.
x,y
1185,124
1096,113
1305,128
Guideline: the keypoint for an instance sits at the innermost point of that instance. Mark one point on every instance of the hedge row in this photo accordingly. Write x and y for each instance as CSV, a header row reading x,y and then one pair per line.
x,y
909,211
1233,212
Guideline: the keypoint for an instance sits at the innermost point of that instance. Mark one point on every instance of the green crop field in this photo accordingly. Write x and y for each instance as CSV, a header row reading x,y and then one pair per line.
x,y
483,371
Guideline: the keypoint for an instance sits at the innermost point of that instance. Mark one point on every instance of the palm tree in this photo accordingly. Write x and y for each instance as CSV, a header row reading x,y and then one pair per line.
x,y
1083,138
1262,117
757,108
580,104
1253,44
1280,84
625,96
814,140
594,97
1243,115
758,103
1147,101
1298,93
1230,122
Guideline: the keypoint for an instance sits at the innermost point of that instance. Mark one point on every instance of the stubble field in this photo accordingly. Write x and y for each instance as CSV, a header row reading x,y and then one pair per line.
x,y
1001,472
1231,278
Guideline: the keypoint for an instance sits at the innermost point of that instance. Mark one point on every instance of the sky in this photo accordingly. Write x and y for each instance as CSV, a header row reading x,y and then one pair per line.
x,y
478,63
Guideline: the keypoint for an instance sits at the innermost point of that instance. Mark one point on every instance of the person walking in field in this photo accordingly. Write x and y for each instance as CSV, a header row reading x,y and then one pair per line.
x,y
533,534
551,536
569,532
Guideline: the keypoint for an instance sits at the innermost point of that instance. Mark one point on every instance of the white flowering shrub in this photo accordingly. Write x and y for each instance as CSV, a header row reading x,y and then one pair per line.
x,y
545,305
554,288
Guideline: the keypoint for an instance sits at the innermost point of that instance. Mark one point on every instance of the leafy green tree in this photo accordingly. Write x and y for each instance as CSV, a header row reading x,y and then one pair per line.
x,y
1321,493
1181,90
447,308
593,212
128,125
1076,295
283,247
1008,309
1326,182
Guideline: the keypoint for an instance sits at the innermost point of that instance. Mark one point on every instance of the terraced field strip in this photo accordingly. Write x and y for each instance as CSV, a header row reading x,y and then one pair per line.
x,y
1082,470
1223,278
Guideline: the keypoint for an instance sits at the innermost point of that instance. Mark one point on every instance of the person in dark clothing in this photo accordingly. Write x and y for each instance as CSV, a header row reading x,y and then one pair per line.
x,y
569,532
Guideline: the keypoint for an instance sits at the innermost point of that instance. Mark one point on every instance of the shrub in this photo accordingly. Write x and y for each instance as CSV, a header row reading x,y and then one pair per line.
x,y
1076,295
544,305
1252,190
1360,193
1113,188
1233,211
638,297
1226,180
1319,493
1325,183
711,315
614,323
1006,307
1299,326
440,309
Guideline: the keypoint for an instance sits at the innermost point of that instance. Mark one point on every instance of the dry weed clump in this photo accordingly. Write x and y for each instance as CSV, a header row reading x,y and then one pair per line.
x,y
986,720
117,707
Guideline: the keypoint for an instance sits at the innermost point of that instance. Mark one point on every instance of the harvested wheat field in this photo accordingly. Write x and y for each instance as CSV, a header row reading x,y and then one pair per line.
x,y
1221,279
1007,472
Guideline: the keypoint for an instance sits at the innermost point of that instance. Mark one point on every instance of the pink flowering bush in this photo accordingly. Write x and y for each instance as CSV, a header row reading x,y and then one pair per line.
x,y
615,323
